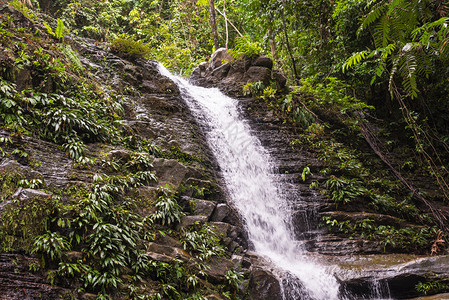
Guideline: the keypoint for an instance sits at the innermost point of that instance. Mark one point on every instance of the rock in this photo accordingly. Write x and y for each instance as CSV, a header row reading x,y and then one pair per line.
x,y
359,216
333,245
221,229
221,72
172,172
218,268
255,74
219,57
24,195
230,75
188,221
169,253
13,168
401,280
17,282
263,285
74,256
263,61
167,240
220,213
120,155
202,207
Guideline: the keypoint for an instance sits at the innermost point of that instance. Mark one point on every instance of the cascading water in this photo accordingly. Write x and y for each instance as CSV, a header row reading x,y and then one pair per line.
x,y
248,172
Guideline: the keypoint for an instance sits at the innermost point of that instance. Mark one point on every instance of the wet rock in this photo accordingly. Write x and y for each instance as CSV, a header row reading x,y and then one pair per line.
x,y
333,245
11,167
220,213
401,280
359,216
16,281
263,285
263,61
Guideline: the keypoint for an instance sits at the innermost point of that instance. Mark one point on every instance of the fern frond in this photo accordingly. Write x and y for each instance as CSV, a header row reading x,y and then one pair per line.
x,y
60,28
382,32
408,69
355,59
376,12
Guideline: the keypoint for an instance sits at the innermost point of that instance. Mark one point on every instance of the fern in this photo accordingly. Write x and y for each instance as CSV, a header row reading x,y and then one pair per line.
x,y
355,59
72,56
376,12
49,30
60,29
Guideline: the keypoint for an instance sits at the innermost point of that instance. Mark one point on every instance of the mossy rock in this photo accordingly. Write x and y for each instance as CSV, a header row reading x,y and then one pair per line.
x,y
23,218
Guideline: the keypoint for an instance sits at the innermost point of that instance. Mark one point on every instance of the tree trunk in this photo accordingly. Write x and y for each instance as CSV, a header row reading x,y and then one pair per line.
x,y
272,43
213,24
288,46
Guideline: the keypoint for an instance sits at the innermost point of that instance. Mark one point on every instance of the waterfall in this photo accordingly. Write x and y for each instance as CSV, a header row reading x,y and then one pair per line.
x,y
250,178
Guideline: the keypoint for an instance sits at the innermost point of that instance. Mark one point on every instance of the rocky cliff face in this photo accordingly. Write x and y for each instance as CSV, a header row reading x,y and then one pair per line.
x,y
40,179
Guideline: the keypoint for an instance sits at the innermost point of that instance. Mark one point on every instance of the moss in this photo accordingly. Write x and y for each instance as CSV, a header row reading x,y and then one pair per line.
x,y
130,48
23,220
8,183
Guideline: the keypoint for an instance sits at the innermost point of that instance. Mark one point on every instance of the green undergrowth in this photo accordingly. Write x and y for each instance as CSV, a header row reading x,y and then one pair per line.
x,y
328,121
92,236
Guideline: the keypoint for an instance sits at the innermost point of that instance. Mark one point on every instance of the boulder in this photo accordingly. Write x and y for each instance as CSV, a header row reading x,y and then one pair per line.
x,y
220,57
202,207
255,74
263,285
120,155
263,61
170,171
219,266
230,74
220,213
165,252
188,221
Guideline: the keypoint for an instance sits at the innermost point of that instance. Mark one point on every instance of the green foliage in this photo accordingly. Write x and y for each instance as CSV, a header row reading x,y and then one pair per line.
x,y
52,244
72,56
431,287
244,46
305,172
203,243
343,190
393,238
253,88
129,47
168,211
22,221
60,29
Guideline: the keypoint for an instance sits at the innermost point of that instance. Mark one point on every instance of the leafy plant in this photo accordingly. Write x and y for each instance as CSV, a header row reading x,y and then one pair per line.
x,y
168,210
343,190
51,244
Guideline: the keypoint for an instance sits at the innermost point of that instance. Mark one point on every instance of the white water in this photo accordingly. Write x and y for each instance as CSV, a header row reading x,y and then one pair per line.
x,y
254,190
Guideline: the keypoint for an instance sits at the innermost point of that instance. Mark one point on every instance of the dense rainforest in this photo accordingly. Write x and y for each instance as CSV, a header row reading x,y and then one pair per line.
x,y
102,202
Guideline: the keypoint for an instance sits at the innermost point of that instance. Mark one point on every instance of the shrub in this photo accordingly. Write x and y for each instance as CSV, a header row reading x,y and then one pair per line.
x,y
129,47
